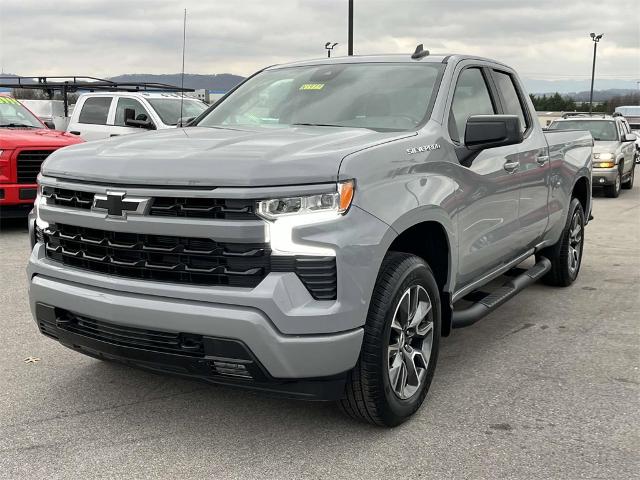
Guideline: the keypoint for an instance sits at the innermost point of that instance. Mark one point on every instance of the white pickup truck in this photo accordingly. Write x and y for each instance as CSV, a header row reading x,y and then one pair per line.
x,y
101,115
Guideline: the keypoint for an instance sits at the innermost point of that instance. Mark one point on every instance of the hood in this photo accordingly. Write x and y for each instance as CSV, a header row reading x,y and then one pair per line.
x,y
601,146
27,137
216,157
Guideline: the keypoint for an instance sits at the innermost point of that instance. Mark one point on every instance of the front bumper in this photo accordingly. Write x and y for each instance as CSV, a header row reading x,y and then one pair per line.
x,y
16,200
604,176
201,357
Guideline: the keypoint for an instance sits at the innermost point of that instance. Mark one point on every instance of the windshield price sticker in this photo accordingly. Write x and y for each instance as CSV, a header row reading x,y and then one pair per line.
x,y
312,86
8,100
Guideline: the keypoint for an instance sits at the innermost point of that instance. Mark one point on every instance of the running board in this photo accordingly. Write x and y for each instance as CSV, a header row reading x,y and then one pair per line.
x,y
470,315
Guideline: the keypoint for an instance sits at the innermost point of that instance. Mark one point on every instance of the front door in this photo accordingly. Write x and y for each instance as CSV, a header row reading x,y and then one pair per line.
x,y
488,215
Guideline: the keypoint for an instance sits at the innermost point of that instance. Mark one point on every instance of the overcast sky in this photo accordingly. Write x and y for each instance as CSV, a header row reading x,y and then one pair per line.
x,y
544,39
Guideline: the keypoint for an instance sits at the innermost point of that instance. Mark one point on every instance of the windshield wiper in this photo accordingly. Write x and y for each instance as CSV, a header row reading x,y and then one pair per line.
x,y
22,125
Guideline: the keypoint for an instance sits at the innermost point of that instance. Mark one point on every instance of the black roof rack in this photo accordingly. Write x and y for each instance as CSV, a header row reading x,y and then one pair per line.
x,y
73,83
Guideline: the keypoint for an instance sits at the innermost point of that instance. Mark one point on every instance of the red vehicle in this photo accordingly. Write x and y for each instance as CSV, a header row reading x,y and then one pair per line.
x,y
24,144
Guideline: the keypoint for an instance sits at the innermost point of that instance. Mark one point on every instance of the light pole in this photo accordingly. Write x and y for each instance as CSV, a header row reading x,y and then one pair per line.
x,y
329,47
350,22
596,39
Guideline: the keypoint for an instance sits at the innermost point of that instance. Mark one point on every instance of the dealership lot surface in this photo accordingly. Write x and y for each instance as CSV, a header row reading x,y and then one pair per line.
x,y
548,386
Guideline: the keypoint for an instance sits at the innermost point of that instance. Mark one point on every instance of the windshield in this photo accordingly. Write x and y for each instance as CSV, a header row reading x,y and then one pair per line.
x,y
168,109
603,130
379,96
13,114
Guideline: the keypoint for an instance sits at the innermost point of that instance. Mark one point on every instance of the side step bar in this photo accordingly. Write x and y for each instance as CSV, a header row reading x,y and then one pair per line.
x,y
470,315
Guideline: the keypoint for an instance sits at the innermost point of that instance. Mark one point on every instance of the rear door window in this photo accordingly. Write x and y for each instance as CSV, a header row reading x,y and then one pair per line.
x,y
471,97
95,110
511,99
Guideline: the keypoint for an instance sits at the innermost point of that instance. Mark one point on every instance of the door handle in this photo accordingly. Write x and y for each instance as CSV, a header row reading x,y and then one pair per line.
x,y
511,166
542,159
114,135
73,132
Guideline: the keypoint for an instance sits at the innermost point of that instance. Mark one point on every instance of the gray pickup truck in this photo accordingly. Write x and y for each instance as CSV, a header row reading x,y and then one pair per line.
x,y
315,232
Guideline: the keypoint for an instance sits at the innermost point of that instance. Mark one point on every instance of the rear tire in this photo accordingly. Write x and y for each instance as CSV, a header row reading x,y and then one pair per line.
x,y
628,185
400,345
612,191
566,255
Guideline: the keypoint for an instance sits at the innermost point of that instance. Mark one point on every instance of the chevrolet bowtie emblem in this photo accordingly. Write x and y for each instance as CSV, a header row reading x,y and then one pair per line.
x,y
118,204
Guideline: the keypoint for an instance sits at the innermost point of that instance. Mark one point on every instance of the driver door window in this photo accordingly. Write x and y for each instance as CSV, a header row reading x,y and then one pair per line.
x,y
124,103
471,97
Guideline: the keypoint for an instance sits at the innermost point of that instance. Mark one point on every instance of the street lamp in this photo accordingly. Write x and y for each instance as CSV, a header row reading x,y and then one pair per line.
x,y
329,46
596,39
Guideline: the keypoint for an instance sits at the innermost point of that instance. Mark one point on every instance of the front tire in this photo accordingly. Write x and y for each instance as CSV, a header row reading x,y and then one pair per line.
x,y
628,185
400,345
566,255
612,191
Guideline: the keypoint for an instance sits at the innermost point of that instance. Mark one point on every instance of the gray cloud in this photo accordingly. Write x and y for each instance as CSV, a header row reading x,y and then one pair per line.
x,y
541,38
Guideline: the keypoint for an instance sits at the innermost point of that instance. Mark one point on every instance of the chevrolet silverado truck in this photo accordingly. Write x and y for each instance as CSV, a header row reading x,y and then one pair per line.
x,y
24,144
614,151
316,232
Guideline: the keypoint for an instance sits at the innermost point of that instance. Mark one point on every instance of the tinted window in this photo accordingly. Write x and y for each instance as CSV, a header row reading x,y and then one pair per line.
x,y
471,97
512,104
139,112
368,95
95,110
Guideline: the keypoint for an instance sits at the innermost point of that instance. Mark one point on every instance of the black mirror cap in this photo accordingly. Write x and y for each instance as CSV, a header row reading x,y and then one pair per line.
x,y
490,131
49,124
129,114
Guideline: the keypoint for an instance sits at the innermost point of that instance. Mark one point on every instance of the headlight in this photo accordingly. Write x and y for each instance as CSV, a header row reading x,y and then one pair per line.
x,y
337,202
604,164
285,215
603,156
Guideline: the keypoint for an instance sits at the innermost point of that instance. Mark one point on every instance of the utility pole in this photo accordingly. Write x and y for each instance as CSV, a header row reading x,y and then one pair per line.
x,y
596,39
350,27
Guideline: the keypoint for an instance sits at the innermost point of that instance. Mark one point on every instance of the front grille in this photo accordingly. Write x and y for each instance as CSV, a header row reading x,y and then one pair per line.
x,y
29,162
154,340
63,197
158,257
184,207
217,208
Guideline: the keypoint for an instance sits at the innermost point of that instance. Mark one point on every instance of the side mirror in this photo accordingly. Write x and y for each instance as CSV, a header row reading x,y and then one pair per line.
x,y
490,131
630,137
49,124
130,120
185,122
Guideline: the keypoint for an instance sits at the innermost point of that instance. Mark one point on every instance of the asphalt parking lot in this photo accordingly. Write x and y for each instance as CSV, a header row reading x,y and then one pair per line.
x,y
548,386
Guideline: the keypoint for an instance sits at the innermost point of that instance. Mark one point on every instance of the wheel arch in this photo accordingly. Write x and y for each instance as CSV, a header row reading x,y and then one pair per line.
x,y
425,233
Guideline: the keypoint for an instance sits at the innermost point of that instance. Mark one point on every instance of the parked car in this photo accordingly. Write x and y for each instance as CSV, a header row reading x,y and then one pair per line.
x,y
24,143
614,152
313,240
101,115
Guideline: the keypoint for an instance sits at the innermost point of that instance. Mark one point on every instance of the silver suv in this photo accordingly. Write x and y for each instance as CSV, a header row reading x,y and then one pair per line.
x,y
614,151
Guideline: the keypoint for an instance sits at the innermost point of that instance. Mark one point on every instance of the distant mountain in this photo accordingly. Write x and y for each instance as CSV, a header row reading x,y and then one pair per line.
x,y
219,82
571,86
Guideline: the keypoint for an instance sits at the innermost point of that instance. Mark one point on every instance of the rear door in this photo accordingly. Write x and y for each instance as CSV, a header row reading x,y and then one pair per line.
x,y
533,171
488,216
91,121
